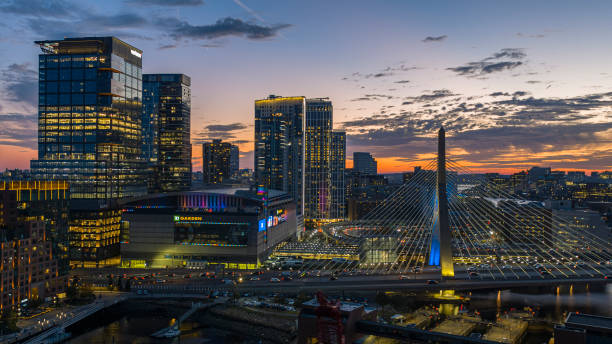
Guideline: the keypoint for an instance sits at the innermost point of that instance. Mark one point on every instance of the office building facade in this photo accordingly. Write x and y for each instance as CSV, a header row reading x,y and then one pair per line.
x,y
89,115
317,160
234,161
28,268
279,146
216,162
166,130
364,163
45,201
338,183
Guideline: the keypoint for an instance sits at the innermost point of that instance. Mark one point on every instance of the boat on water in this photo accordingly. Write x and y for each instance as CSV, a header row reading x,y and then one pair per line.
x,y
171,333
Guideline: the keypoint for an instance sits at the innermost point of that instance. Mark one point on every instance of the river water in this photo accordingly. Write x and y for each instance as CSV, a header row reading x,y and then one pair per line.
x,y
134,322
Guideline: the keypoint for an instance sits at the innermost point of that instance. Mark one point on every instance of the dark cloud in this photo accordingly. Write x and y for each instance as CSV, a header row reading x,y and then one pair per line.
x,y
402,81
168,46
499,94
514,132
434,38
219,131
20,84
226,27
369,97
491,64
538,35
435,94
167,2
510,53
533,81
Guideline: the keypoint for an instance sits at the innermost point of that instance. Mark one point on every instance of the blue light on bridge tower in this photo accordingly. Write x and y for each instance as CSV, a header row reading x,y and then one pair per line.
x,y
434,249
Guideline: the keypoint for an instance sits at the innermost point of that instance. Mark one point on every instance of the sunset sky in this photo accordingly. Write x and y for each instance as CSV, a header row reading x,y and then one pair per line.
x,y
515,83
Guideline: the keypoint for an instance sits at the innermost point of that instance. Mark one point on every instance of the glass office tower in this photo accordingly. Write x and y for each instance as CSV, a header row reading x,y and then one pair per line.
x,y
317,160
279,146
216,162
338,185
89,117
167,130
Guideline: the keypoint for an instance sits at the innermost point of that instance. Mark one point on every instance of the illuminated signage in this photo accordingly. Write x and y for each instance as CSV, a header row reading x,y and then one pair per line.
x,y
135,53
262,226
178,218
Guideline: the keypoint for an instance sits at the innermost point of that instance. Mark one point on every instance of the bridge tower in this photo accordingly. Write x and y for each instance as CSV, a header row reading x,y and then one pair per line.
x,y
440,253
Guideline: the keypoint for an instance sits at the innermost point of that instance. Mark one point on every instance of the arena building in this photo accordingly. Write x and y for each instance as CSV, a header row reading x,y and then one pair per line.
x,y
234,228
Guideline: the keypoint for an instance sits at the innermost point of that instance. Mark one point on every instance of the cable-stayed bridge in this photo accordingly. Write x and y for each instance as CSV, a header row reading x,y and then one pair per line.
x,y
447,219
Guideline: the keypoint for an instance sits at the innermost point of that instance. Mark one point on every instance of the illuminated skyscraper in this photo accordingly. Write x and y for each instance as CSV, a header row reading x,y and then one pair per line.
x,y
216,161
89,115
166,130
317,159
338,185
234,160
279,146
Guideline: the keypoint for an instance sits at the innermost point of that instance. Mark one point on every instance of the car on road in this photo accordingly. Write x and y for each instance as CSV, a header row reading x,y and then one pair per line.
x,y
473,275
333,278
254,278
274,280
404,277
433,282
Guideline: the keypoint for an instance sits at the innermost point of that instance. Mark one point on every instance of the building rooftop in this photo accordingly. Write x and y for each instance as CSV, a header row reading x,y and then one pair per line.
x,y
587,320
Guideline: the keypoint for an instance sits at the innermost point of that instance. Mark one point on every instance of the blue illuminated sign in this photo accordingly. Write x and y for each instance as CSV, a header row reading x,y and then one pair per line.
x,y
262,225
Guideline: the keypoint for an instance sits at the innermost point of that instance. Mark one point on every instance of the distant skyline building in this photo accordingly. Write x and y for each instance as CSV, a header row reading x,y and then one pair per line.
x,y
216,162
166,130
364,163
234,160
338,182
279,146
317,159
89,115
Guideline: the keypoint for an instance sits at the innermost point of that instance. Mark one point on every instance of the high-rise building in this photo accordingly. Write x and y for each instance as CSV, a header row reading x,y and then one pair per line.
x,y
317,159
279,146
89,115
338,183
166,130
216,162
364,163
234,160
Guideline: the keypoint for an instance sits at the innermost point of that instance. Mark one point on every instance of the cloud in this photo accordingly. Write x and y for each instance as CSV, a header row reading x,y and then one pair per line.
x,y
369,97
20,84
226,132
226,27
492,64
434,39
402,81
19,130
433,95
57,8
513,133
511,53
167,2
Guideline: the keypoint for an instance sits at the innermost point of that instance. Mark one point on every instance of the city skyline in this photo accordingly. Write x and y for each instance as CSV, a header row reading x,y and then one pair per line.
x,y
529,90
